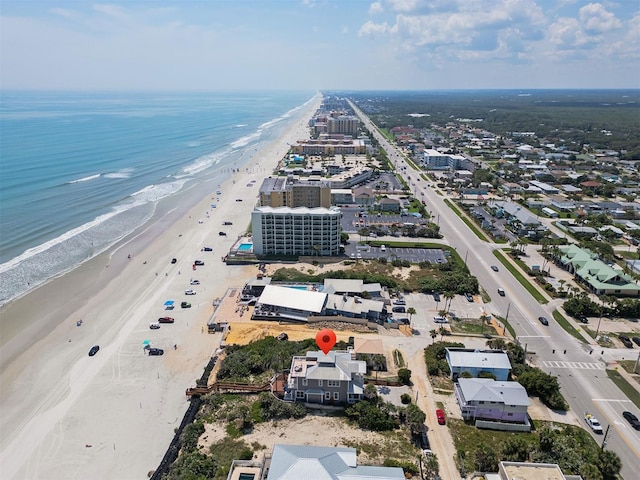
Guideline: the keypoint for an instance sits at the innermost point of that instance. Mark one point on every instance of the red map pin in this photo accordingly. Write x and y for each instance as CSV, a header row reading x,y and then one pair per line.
x,y
326,339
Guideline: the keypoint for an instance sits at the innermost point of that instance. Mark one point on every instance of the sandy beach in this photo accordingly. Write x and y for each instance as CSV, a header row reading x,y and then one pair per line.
x,y
65,415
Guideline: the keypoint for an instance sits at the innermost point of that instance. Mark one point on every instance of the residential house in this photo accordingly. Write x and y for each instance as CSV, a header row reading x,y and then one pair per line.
x,y
389,204
364,196
497,405
332,379
351,287
475,362
531,471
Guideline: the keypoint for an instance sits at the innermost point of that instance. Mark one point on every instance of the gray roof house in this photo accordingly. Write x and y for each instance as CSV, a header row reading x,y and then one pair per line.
x,y
493,404
310,462
476,361
334,379
294,462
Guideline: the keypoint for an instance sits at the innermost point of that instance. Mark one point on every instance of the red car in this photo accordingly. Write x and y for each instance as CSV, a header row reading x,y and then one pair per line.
x,y
165,320
441,418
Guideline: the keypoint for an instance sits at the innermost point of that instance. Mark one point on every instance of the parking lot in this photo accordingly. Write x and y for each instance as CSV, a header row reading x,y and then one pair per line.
x,y
352,221
427,308
413,255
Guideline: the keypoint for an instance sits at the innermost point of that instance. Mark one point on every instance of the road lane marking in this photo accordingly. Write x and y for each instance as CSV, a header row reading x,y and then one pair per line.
x,y
573,365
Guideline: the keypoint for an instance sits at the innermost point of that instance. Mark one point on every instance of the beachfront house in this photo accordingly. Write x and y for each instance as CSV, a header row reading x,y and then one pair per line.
x,y
493,404
293,462
332,379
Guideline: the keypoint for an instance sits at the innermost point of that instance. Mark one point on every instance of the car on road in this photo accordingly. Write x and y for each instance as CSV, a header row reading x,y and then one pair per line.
x,y
436,296
626,341
632,419
207,249
94,350
442,420
440,319
594,423
238,199
222,234
198,263
166,320
543,320
185,305
383,248
636,340
156,351
501,292
494,268
174,260
469,297
189,292
227,223
194,282
154,326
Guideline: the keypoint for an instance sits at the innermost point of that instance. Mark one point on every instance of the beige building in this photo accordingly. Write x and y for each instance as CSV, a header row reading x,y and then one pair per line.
x,y
289,192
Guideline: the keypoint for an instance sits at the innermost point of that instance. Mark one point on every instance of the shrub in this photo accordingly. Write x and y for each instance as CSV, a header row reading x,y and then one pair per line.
x,y
404,376
405,398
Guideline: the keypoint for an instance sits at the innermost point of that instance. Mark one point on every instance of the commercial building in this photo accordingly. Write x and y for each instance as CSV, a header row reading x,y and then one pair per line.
x,y
296,231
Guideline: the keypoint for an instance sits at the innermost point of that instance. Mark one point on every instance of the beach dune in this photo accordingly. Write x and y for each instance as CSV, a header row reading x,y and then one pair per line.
x,y
68,415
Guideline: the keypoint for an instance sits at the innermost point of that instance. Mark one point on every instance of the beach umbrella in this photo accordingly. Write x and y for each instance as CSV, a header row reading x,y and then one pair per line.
x,y
146,342
168,302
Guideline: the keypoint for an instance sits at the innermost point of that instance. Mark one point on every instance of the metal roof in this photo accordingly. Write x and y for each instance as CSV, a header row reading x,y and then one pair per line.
x,y
489,390
294,462
459,357
303,300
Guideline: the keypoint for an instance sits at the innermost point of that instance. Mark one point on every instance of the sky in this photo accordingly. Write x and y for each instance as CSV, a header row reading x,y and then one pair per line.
x,y
185,45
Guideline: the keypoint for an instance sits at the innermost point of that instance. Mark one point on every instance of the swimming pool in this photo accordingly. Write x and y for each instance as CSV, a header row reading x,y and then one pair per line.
x,y
245,247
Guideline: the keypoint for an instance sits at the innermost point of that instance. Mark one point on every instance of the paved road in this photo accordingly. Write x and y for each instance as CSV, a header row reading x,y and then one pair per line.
x,y
585,389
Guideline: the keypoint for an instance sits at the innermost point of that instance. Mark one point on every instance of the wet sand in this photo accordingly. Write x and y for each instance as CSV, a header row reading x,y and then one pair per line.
x,y
67,415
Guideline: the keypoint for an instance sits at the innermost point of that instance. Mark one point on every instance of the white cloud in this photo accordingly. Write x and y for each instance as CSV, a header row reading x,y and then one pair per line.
x,y
375,7
373,29
345,29
596,18
404,5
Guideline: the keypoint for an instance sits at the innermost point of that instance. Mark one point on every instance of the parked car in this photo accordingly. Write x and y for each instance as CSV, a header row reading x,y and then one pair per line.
x,y
383,248
154,326
156,351
436,296
283,336
440,319
632,419
198,263
469,297
400,301
207,249
636,340
440,416
494,268
166,320
501,292
543,320
227,223
185,305
94,350
222,234
626,341
194,282
404,321
174,260
583,319
189,292
398,309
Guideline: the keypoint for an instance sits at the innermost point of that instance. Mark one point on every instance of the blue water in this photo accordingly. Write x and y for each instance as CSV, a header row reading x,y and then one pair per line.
x,y
79,171
245,247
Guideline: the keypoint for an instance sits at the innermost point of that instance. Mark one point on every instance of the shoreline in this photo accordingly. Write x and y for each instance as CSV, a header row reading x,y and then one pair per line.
x,y
117,297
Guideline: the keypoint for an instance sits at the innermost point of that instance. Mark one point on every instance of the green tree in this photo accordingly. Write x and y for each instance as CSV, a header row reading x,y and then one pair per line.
x,y
486,458
609,464
515,449
404,376
414,418
433,333
411,312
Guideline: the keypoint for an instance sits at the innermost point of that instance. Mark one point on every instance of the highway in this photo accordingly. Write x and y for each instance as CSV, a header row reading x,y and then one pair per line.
x,y
580,371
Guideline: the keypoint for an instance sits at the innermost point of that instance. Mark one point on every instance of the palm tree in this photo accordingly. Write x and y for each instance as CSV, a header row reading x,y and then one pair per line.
x,y
497,344
434,334
448,296
411,311
442,331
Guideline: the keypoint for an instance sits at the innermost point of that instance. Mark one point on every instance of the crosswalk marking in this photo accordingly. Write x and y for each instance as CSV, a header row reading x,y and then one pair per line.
x,y
575,365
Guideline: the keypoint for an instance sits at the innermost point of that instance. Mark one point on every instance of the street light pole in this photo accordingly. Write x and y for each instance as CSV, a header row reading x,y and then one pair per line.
x,y
506,318
599,320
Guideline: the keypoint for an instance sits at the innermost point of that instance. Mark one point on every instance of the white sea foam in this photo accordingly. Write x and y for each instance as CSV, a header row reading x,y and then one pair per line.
x,y
124,173
246,140
240,125
85,179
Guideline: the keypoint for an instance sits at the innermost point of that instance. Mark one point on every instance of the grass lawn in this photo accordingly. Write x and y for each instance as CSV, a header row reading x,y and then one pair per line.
x,y
521,278
467,221
631,393
569,328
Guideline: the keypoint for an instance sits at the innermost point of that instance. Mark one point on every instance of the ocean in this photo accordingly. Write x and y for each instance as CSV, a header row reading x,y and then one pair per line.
x,y
80,171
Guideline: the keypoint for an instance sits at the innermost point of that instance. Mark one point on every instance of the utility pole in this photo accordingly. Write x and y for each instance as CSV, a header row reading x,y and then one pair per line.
x,y
636,365
465,258
604,440
506,318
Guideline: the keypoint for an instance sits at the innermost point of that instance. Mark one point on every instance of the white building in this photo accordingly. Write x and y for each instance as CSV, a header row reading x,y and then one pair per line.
x,y
296,231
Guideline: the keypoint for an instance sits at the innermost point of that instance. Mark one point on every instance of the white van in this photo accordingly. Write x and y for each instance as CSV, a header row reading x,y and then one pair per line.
x,y
383,248
439,319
